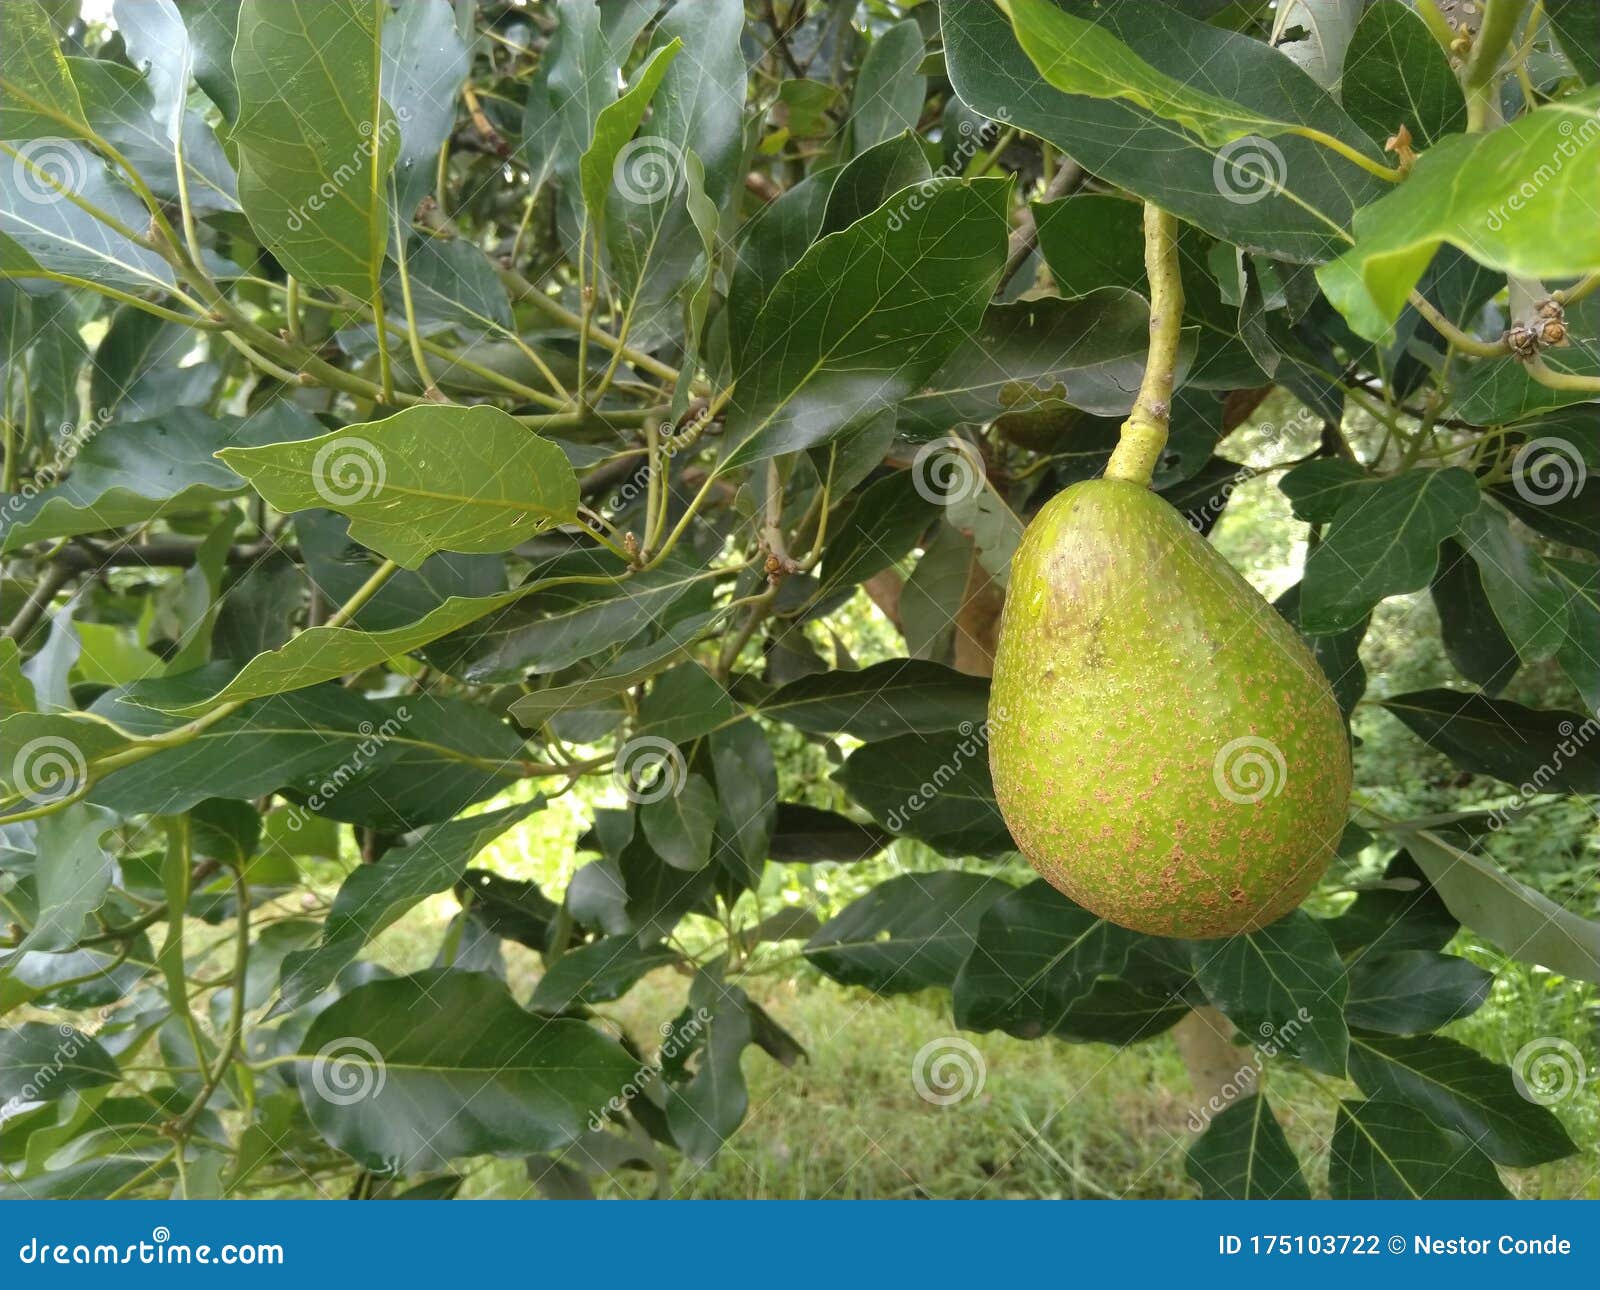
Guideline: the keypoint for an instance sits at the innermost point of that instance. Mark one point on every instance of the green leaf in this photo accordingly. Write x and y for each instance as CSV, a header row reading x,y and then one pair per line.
x,y
1576,25
932,596
883,522
1317,489
1284,986
321,654
896,697
134,472
1035,954
1543,751
889,90
684,704
703,1112
314,139
1287,196
866,316
617,675
615,126
1457,1089
437,478
40,1063
1524,924
1477,192
598,973
1385,1151
807,835
41,226
1082,56
1382,542
1472,635
1396,75
424,65
73,874
1031,354
1411,992
405,1075
1525,599
16,691
935,788
867,181
1579,654
1492,391
374,896
907,933
34,76
680,825
1243,1155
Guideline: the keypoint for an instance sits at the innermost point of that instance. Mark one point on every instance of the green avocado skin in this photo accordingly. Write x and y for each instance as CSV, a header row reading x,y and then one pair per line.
x,y
1165,749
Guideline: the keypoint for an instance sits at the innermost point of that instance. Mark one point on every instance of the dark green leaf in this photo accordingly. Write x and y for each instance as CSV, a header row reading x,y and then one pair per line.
x,y
935,788
1543,750
906,934
808,835
901,696
1472,636
1385,1151
407,1074
1243,1155
1457,1089
40,1063
597,973
1396,75
1413,991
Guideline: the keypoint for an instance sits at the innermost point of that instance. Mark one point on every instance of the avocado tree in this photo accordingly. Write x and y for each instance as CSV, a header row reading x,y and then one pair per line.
x,y
415,410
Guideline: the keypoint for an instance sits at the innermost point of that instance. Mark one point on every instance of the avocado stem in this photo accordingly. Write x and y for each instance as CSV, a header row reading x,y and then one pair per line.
x,y
1144,433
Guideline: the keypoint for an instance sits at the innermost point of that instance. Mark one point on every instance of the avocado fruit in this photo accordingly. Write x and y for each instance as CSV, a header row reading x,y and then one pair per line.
x,y
1165,749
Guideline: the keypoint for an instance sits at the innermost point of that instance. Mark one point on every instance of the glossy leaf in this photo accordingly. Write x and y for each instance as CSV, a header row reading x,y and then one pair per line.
x,y
898,697
1381,543
428,479
907,933
407,1074
866,316
1458,1090
1523,923
935,788
1547,751
1283,985
1396,75
1243,1155
1413,991
315,141
1385,1151
1474,191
